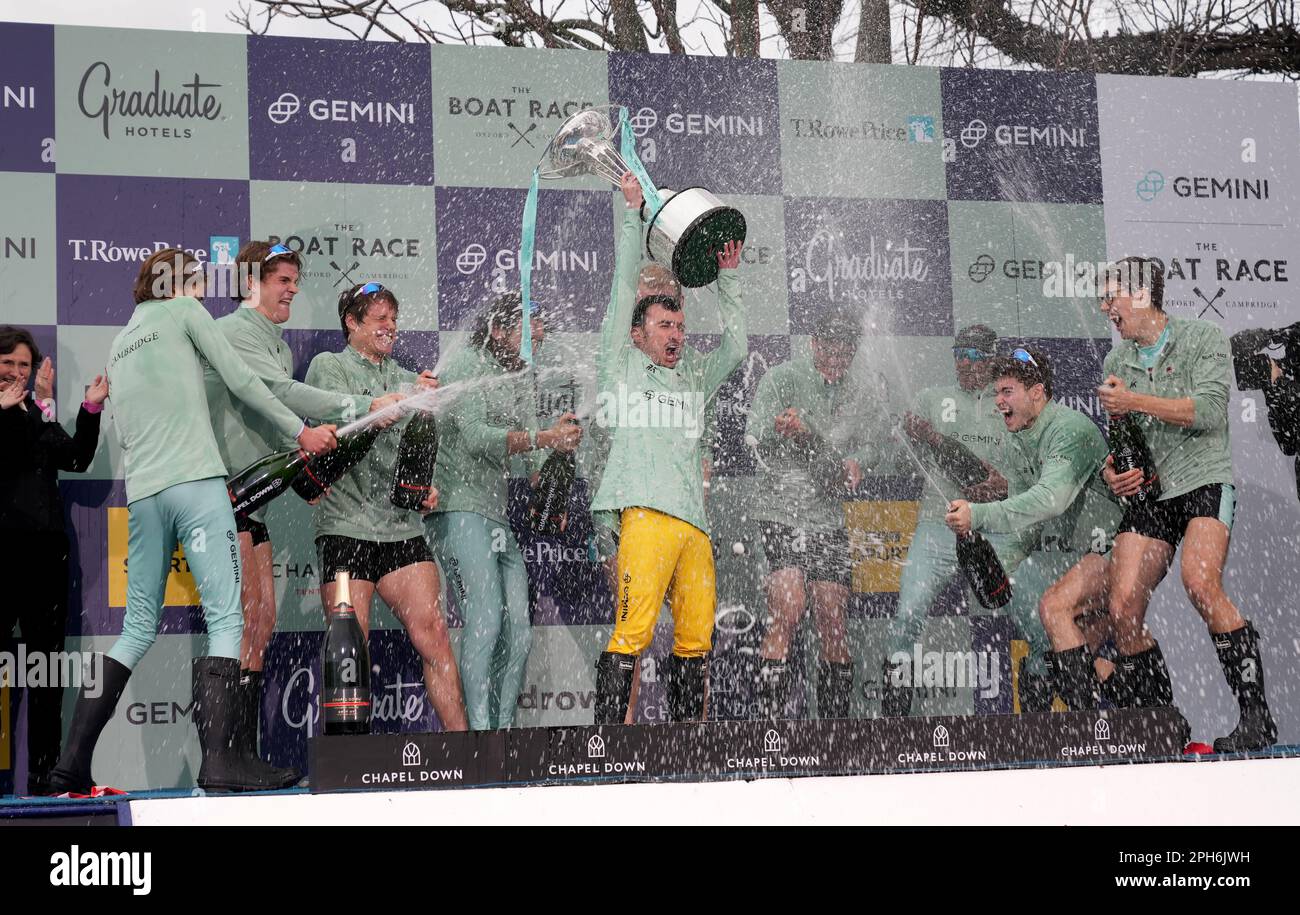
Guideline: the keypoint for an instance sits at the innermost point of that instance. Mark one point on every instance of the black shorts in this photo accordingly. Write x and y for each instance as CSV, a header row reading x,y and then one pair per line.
x,y
367,560
820,555
256,528
1167,520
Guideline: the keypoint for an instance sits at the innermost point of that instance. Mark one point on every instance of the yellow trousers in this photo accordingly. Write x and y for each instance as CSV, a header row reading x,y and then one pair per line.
x,y
657,555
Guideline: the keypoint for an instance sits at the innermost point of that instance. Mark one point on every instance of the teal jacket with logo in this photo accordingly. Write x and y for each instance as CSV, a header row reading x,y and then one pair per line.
x,y
358,505
1055,488
657,414
1194,363
159,398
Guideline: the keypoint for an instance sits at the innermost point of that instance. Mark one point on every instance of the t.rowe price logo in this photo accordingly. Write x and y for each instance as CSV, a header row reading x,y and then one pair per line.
x,y
1202,187
696,124
1050,135
523,115
99,100
775,755
1104,743
110,251
918,129
343,111
472,258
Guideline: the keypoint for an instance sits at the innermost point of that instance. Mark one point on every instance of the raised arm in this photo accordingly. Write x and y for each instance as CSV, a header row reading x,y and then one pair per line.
x,y
615,329
720,363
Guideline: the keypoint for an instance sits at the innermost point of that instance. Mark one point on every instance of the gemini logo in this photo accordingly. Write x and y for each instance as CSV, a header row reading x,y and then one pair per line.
x,y
643,121
973,133
471,259
981,269
1150,185
1052,135
283,108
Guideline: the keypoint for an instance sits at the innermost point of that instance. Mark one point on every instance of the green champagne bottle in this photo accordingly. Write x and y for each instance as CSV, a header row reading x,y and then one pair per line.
x,y
324,470
416,454
550,500
264,479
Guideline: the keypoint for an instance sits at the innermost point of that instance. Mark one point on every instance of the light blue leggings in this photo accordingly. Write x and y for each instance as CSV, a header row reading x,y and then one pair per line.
x,y
932,564
484,568
198,515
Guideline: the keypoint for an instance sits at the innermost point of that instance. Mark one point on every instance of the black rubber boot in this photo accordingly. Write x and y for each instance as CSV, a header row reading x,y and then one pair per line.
x,y
250,700
1142,680
895,701
834,689
72,774
216,716
613,686
1244,669
686,688
1036,690
1074,678
773,688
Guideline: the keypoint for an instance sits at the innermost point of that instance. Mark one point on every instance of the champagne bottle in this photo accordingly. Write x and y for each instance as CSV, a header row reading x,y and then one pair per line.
x,y
416,454
1128,447
550,500
983,570
324,470
264,479
345,664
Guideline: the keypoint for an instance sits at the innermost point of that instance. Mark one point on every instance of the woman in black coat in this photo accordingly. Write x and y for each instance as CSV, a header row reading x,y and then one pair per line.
x,y
33,449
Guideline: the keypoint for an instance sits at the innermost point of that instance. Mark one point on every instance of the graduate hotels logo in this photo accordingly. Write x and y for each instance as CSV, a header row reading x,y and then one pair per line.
x,y
164,108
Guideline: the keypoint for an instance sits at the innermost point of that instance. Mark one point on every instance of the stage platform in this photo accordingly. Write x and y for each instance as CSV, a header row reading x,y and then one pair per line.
x,y
1096,768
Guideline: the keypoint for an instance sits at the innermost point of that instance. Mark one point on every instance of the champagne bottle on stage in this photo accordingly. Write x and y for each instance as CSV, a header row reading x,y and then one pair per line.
x,y
264,479
324,470
983,570
1128,447
345,665
416,454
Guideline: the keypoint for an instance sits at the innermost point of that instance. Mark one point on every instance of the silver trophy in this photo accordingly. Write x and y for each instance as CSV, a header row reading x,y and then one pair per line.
x,y
691,226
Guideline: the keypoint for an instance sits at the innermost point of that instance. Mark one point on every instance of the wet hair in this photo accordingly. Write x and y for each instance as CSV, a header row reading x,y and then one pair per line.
x,y
838,326
160,268
1136,272
656,278
1026,373
503,313
643,305
350,303
254,262
12,337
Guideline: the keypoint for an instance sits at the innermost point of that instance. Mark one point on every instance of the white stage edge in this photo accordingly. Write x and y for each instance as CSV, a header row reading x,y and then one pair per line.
x,y
1241,792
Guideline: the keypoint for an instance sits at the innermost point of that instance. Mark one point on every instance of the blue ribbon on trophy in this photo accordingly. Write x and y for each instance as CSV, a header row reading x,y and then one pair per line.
x,y
684,229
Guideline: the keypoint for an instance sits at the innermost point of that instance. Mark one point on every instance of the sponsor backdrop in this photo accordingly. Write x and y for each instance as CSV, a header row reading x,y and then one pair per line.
x,y
926,199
